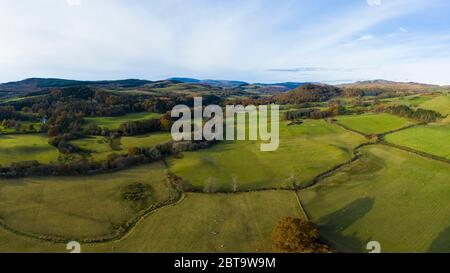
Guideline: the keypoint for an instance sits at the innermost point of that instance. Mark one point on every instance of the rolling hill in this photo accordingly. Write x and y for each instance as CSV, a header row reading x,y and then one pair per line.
x,y
38,84
377,87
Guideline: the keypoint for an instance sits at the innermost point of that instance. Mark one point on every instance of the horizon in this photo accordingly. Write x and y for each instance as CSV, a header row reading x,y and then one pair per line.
x,y
256,41
233,80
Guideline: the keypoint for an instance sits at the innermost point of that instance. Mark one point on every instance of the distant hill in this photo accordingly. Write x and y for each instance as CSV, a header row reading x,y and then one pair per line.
x,y
377,87
215,83
231,87
308,93
277,87
287,85
185,80
38,84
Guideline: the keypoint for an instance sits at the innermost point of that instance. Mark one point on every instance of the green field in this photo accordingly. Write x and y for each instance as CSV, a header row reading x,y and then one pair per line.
x,y
115,122
77,207
412,101
373,123
210,223
199,223
439,104
433,139
305,151
25,147
4,130
23,125
394,197
13,243
100,147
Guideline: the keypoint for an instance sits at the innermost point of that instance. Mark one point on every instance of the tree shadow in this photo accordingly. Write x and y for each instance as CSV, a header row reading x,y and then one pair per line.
x,y
333,225
442,242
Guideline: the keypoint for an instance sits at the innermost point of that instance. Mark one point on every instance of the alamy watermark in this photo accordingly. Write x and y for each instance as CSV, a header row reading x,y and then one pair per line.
x,y
193,127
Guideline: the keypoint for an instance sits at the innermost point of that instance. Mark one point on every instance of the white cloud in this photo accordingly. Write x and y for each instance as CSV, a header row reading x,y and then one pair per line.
x,y
211,39
402,29
374,2
73,2
366,37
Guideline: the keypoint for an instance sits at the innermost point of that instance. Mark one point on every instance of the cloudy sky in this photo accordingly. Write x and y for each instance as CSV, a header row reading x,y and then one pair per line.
x,y
259,41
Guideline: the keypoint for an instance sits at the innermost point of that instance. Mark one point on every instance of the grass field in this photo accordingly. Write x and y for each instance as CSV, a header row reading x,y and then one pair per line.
x,y
12,243
100,147
4,130
77,207
23,124
440,104
412,101
210,223
305,151
394,197
433,139
374,123
24,147
199,223
115,122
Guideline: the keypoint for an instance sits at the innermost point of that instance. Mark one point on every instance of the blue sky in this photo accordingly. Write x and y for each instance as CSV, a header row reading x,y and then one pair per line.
x,y
258,41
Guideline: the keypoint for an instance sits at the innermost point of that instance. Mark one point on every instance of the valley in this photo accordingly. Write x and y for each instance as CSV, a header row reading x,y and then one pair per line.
x,y
364,162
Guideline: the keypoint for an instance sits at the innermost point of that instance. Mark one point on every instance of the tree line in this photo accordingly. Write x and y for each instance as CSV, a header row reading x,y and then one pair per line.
x,y
114,162
421,115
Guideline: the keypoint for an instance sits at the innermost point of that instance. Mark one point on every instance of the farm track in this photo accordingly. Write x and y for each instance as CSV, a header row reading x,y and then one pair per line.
x,y
131,225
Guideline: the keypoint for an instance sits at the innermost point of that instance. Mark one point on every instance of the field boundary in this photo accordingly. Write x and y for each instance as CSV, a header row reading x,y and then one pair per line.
x,y
381,135
320,177
417,152
350,129
121,232
301,206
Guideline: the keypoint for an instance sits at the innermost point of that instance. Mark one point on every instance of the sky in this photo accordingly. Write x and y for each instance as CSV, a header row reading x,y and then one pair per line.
x,y
330,41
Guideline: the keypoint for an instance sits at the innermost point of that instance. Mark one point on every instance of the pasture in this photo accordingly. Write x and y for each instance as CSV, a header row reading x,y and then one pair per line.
x,y
210,223
439,104
114,122
432,139
100,147
373,123
78,206
305,151
26,147
394,197
13,243
411,101
25,126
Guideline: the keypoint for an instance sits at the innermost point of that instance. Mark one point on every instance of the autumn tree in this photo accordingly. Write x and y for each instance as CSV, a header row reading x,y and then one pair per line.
x,y
292,235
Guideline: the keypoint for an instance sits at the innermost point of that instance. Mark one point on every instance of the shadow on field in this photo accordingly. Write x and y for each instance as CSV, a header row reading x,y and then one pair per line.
x,y
442,243
334,224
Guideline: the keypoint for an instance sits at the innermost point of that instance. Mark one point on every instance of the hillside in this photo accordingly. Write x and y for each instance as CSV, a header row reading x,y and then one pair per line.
x,y
38,84
308,93
377,87
214,83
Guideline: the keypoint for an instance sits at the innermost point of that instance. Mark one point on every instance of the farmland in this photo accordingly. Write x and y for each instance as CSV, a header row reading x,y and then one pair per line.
x,y
100,147
242,165
432,139
369,200
374,123
184,227
25,147
226,196
210,223
440,104
77,207
115,122
23,127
